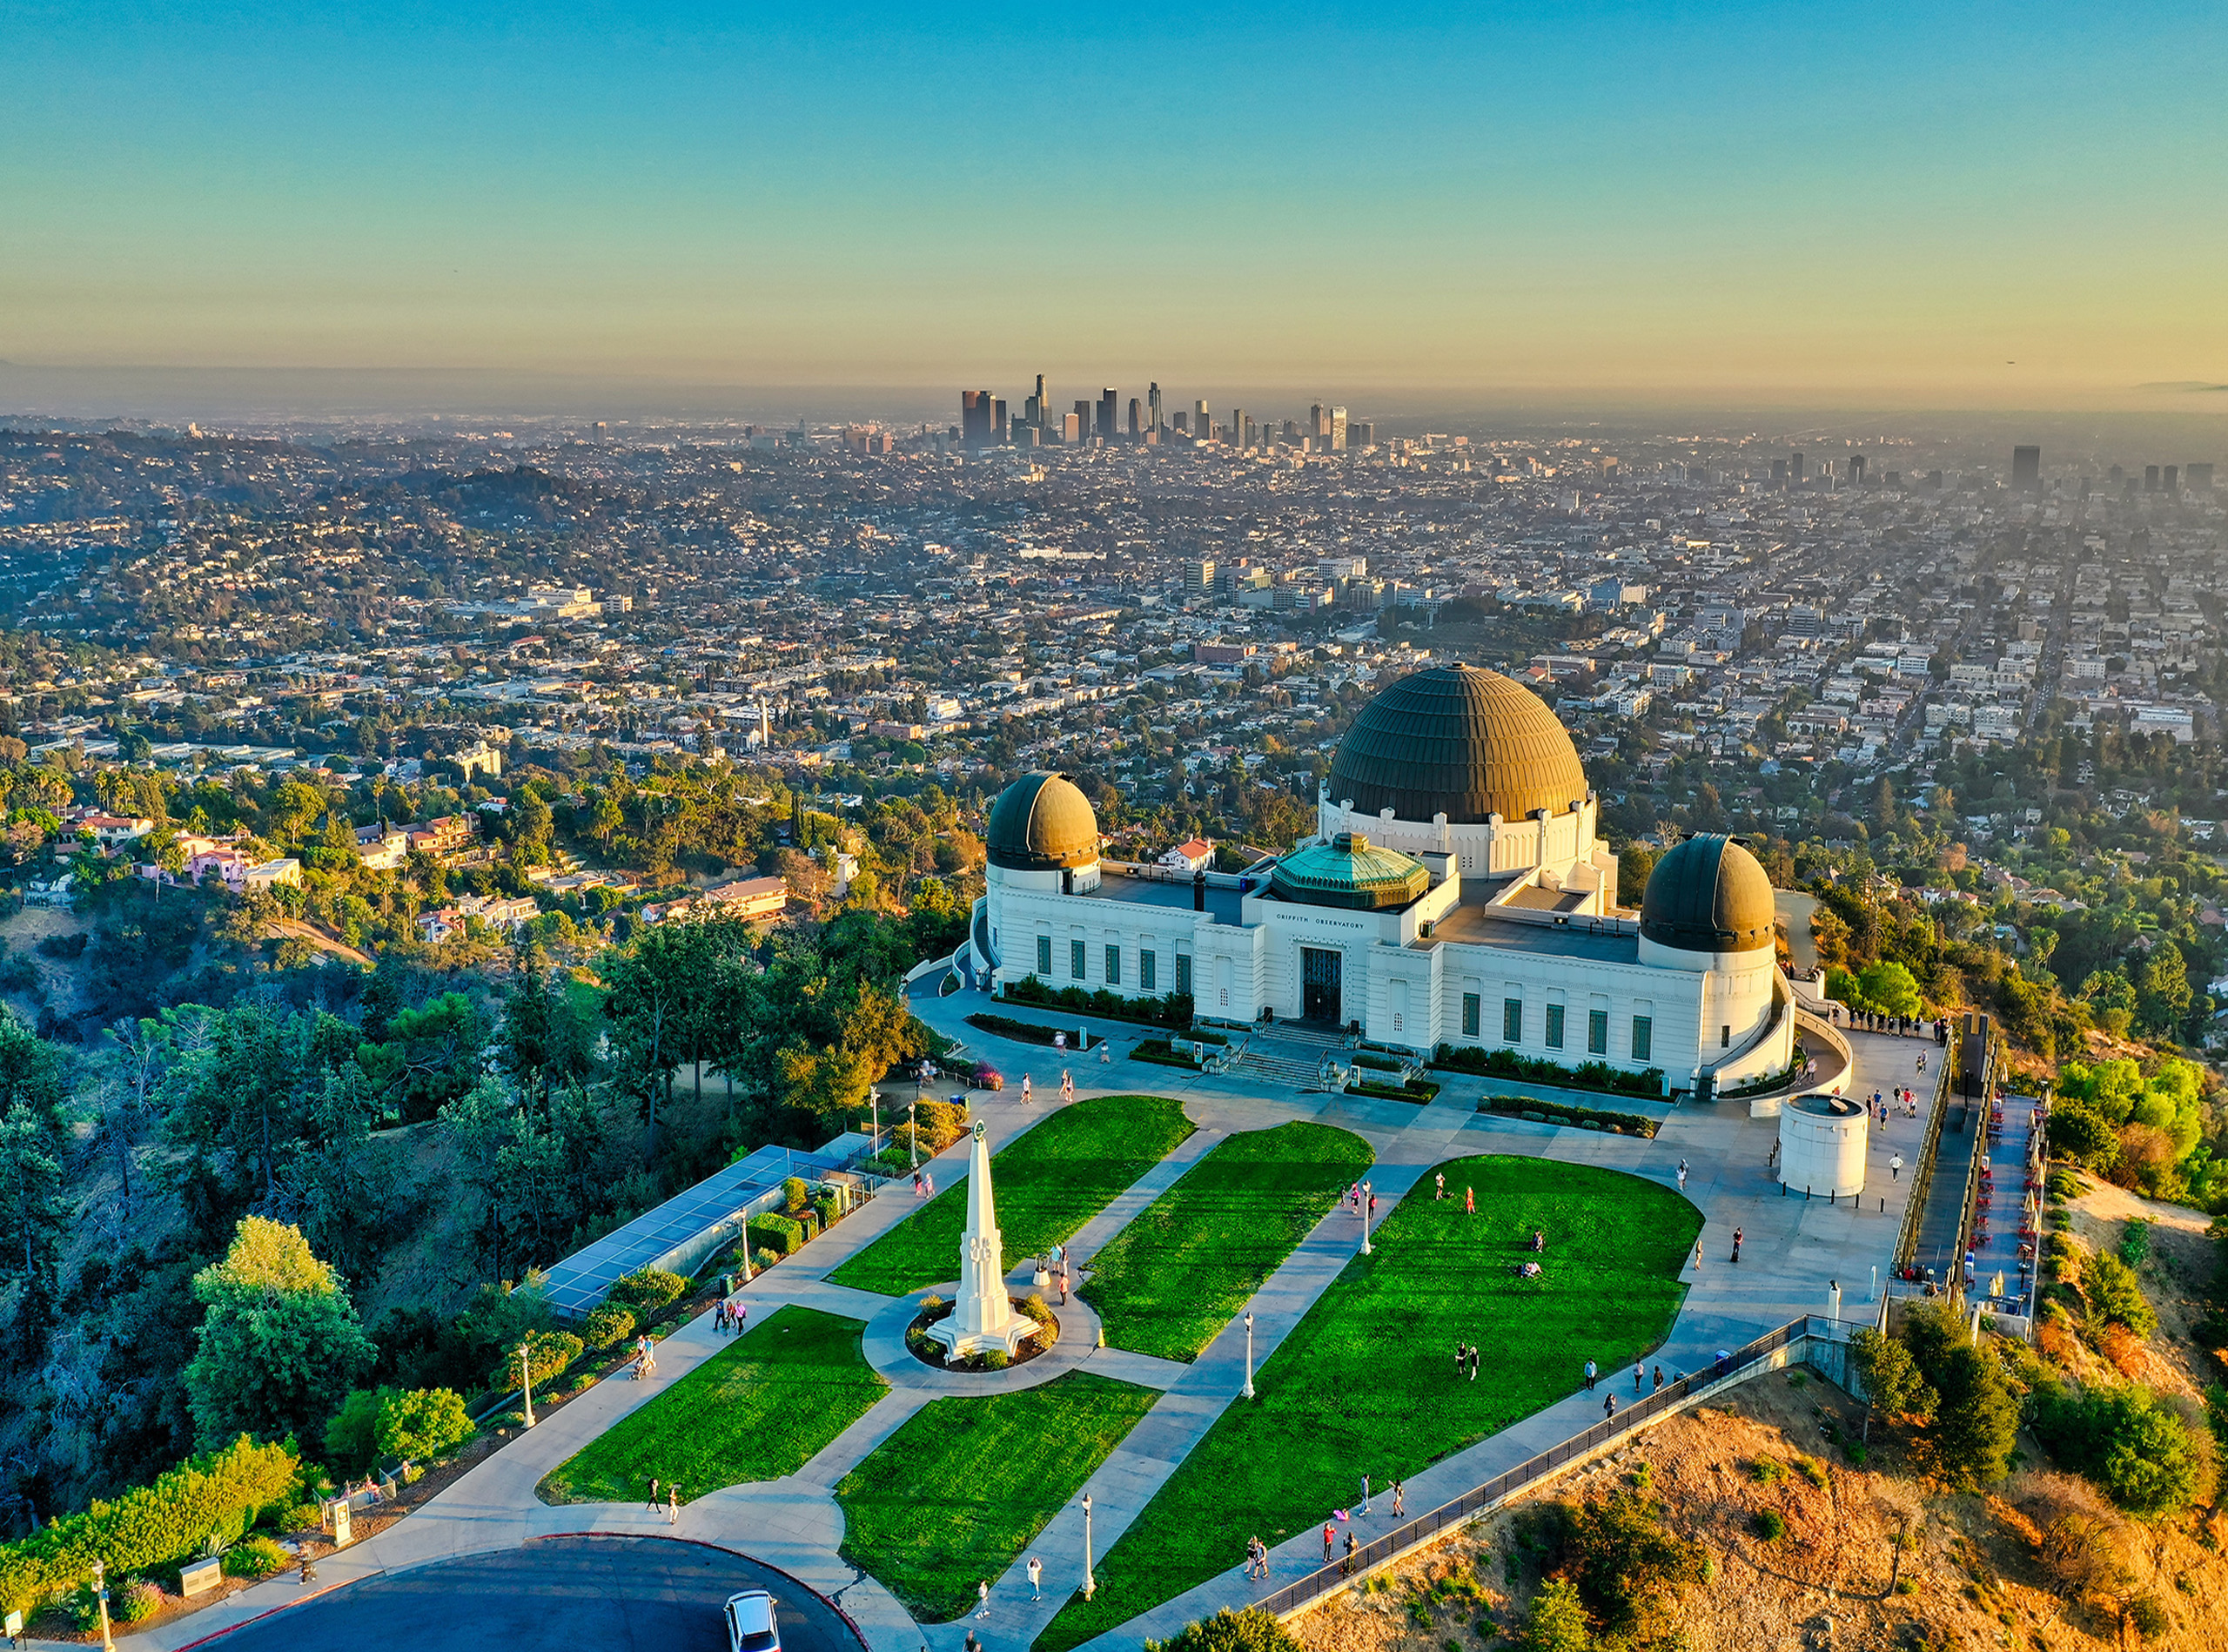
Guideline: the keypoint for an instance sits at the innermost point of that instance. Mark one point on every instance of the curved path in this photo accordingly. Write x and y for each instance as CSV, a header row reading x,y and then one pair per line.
x,y
794,1524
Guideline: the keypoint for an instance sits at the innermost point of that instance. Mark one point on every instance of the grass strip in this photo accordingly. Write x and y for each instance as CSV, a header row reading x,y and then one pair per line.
x,y
956,1494
761,1407
1366,1382
1169,1281
1048,1182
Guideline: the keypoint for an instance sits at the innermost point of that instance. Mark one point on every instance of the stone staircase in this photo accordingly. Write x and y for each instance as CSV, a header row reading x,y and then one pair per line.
x,y
1281,1061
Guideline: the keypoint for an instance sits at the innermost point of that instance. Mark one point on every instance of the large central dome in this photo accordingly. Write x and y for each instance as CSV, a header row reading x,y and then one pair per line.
x,y
1457,740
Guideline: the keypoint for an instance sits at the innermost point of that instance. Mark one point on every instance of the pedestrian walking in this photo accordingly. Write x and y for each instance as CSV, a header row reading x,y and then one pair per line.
x,y
973,1645
1364,1494
652,1503
1330,1533
983,1594
673,1504
1469,1201
1736,1243
1639,1374
1438,1185
1399,1498
1659,1378
1035,1578
1609,1405
1474,1362
1698,1256
1590,1375
1895,1168
1346,1566
1025,1090
1461,1358
1682,1175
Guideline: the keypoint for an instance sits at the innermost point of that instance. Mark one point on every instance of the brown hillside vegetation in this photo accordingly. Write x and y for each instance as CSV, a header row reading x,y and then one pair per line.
x,y
1868,1558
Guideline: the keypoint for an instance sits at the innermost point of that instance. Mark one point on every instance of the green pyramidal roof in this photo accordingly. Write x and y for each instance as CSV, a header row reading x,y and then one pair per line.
x,y
1348,872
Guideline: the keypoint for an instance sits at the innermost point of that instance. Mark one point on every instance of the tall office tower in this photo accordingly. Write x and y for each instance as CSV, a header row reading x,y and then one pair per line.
x,y
1856,470
1360,434
1033,409
1071,427
2171,481
2151,479
1136,419
2199,478
1199,577
2027,470
2114,475
1153,407
1202,421
1110,411
1084,407
1183,422
1319,420
1779,470
1794,469
1337,430
974,418
1238,424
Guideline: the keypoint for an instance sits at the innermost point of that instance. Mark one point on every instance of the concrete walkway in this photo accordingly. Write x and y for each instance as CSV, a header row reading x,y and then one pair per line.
x,y
1792,1247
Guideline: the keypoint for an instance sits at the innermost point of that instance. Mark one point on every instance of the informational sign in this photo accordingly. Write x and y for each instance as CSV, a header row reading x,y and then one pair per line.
x,y
341,1524
15,1625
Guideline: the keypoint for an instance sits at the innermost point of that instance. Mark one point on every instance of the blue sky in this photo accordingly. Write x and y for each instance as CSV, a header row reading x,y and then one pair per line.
x,y
1958,200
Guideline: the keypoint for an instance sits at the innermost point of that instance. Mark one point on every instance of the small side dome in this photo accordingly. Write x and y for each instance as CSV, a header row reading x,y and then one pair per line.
x,y
1708,894
1042,823
1349,872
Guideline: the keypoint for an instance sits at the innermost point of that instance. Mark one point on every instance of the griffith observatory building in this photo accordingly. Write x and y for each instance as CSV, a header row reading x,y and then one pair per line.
x,y
1454,892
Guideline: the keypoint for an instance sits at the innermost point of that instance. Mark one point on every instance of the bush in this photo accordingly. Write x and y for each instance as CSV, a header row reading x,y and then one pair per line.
x,y
997,1360
1173,1009
793,1194
215,1495
1556,1112
424,1424
1248,1629
2135,1242
1770,1525
778,1234
2115,1296
302,1517
1558,1620
2147,1615
607,1325
254,1557
2149,1460
648,1289
1628,1566
139,1600
548,1353
351,1439
1506,1064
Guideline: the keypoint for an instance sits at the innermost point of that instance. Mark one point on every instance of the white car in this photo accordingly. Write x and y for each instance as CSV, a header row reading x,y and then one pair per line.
x,y
751,1627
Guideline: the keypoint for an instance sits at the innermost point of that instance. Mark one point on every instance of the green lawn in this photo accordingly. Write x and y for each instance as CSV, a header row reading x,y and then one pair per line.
x,y
759,1408
1048,1182
1168,1282
1366,1382
954,1496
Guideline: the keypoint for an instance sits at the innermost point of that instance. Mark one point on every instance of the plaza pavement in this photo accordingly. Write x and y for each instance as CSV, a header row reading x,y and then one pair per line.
x,y
1792,1247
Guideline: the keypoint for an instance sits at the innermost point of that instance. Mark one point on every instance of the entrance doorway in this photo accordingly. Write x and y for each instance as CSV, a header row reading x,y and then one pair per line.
x,y
1319,999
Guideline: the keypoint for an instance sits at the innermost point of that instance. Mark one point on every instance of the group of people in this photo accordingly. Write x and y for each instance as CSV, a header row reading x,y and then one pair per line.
x,y
728,1315
646,1361
671,1504
1465,1359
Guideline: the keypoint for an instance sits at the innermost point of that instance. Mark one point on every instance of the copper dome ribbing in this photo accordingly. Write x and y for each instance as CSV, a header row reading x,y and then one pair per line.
x,y
1458,741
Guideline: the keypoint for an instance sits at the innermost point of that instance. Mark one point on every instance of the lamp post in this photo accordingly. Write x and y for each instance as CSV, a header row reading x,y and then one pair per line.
x,y
912,1134
874,1113
1089,1583
100,1590
1365,1218
1248,1390
526,1381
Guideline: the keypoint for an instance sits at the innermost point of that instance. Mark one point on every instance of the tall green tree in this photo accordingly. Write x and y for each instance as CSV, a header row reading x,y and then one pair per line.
x,y
279,1345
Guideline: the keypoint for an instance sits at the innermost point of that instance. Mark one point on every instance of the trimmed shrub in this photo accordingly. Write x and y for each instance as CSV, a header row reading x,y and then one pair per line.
x,y
1555,1113
1247,1629
648,1289
216,1494
778,1234
793,1194
138,1600
607,1325
423,1424
1173,1010
548,1353
1506,1064
254,1557
1029,1032
1771,1526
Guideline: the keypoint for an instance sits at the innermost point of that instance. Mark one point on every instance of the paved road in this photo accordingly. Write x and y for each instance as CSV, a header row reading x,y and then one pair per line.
x,y
611,1593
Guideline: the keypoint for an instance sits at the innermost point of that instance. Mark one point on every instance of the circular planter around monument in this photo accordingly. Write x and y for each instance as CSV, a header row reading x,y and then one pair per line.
x,y
931,1355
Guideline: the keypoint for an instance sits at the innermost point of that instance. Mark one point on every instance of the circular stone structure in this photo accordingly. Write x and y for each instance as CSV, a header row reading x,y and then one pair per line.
x,y
1709,894
1347,872
1462,742
1042,823
1821,1144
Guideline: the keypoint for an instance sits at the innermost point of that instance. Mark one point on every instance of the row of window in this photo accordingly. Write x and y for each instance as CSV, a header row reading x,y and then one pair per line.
x,y
1079,965
1597,1027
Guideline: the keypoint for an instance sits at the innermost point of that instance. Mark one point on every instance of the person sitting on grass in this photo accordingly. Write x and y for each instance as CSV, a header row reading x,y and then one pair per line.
x,y
1527,1271
1539,1239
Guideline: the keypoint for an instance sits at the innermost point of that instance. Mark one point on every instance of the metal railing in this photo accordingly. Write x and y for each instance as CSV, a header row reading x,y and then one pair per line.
x,y
1424,1529
1922,1173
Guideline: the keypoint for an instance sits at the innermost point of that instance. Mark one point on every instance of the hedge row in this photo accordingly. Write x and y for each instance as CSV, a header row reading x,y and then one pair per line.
x,y
217,1494
1171,1010
1027,1032
1506,1064
1417,1091
782,1234
1556,1113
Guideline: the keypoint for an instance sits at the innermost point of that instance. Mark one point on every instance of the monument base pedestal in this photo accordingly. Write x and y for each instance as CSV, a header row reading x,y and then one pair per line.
x,y
958,1342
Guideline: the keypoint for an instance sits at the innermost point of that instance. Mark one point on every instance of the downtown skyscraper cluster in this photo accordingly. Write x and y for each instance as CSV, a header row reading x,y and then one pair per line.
x,y
984,422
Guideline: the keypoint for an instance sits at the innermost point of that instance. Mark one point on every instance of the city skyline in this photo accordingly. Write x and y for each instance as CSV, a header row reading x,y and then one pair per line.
x,y
1715,202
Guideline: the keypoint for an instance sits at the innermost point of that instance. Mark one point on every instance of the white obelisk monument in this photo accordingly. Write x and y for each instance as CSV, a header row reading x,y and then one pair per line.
x,y
983,1317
